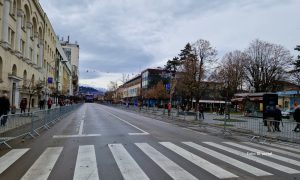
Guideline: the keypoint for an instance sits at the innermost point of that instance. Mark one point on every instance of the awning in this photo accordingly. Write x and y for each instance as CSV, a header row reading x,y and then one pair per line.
x,y
256,98
237,99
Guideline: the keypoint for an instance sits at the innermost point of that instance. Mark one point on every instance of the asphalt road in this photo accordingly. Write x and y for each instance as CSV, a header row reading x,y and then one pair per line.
x,y
101,142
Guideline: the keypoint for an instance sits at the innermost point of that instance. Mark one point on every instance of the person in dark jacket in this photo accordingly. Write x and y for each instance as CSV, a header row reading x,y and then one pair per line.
x,y
268,118
4,108
297,118
23,105
277,118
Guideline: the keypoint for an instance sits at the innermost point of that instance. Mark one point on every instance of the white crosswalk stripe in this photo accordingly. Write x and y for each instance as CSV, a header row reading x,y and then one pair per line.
x,y
294,149
273,149
86,164
256,159
229,160
204,164
9,158
171,168
43,166
127,165
274,156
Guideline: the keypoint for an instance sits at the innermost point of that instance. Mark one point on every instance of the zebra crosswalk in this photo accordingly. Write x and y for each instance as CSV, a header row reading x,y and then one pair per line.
x,y
220,160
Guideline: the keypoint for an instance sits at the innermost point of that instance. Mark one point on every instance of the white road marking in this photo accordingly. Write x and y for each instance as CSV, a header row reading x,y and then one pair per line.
x,y
273,149
76,135
202,133
202,163
129,168
171,168
43,166
143,132
254,158
274,156
229,160
9,158
285,147
81,127
86,164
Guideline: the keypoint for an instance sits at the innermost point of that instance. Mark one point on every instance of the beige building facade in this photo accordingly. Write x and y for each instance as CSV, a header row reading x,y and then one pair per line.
x,y
28,45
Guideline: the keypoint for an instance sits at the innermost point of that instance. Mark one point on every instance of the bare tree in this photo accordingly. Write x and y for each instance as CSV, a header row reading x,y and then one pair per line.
x,y
231,73
195,61
33,89
206,56
125,78
296,77
266,64
112,86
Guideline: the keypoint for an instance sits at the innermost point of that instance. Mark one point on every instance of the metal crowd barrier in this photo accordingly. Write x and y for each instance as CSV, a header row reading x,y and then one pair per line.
x,y
254,127
27,124
284,131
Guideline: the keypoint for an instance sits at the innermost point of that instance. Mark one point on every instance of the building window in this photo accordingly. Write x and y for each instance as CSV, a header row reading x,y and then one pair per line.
x,y
24,78
13,8
14,70
32,80
11,38
31,53
22,48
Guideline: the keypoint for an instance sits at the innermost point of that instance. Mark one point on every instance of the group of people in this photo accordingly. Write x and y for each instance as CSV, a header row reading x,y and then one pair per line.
x,y
272,118
42,102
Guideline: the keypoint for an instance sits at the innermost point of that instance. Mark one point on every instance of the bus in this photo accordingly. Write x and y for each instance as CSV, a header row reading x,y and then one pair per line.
x,y
89,98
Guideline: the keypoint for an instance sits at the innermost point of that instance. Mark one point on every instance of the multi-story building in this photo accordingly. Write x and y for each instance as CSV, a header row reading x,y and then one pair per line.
x,y
63,73
131,90
28,60
51,62
21,52
72,52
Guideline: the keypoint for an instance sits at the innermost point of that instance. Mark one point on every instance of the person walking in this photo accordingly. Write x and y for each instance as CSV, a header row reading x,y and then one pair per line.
x,y
297,118
23,105
269,118
41,104
169,108
277,118
5,106
49,103
201,111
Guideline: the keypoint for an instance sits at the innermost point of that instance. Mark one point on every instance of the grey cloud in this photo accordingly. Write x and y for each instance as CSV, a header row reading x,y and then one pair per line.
x,y
122,36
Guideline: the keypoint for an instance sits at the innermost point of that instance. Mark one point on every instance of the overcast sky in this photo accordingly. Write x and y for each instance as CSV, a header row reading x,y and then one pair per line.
x,y
126,36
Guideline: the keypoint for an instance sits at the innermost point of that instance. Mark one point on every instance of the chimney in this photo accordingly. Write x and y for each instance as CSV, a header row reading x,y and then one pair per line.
x,y
68,39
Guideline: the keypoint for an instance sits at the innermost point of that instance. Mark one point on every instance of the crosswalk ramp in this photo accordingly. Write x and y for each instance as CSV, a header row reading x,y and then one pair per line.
x,y
180,160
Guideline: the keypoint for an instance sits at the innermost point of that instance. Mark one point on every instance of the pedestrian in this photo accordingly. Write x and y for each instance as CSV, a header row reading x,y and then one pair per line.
x,y
201,111
169,108
5,106
49,103
23,105
41,104
277,118
297,118
269,118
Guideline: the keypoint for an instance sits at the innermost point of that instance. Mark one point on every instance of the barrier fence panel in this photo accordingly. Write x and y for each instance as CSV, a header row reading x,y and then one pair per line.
x,y
17,125
256,127
283,130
